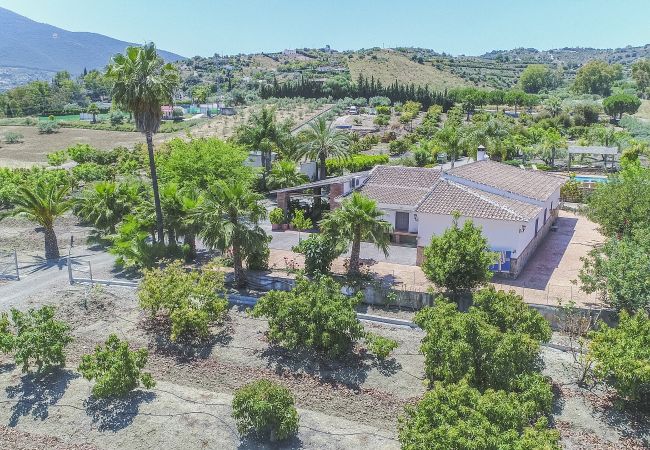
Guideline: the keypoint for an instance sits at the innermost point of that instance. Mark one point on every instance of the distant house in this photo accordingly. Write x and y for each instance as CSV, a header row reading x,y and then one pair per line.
x,y
255,159
227,111
167,112
289,52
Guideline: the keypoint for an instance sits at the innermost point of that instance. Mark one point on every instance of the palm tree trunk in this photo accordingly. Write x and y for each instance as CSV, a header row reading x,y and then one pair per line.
x,y
154,184
51,245
171,235
355,253
190,240
240,277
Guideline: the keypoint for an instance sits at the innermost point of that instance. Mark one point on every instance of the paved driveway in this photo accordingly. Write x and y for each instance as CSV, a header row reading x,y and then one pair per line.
x,y
285,240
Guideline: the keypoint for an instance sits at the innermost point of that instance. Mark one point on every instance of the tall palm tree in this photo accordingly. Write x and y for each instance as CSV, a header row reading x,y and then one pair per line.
x,y
230,216
357,219
142,84
43,204
320,142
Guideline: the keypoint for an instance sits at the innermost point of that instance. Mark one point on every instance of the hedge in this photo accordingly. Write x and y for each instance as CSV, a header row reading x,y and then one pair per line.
x,y
356,163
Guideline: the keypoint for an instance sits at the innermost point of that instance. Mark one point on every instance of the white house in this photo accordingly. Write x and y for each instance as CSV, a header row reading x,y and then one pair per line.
x,y
515,207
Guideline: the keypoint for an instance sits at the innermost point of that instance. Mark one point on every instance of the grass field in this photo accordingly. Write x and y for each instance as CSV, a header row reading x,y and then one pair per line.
x,y
390,66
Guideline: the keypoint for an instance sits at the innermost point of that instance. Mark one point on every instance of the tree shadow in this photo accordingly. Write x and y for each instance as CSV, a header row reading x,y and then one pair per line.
x,y
558,401
628,419
188,348
116,413
350,371
37,392
7,367
387,367
250,443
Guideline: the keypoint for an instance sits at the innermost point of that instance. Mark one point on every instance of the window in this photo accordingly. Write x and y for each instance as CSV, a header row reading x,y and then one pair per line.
x,y
545,211
536,225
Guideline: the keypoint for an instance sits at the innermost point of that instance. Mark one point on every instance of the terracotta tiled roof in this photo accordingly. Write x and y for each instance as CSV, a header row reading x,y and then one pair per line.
x,y
398,185
532,184
448,197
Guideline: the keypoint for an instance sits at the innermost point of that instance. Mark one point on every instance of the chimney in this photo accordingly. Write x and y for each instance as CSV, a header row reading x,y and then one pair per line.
x,y
480,153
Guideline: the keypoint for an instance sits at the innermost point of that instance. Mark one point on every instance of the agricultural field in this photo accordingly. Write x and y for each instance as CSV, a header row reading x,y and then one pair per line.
x,y
34,146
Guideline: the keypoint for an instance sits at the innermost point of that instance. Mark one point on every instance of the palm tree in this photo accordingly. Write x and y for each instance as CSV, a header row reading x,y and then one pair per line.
x,y
230,216
451,141
43,204
357,219
263,133
106,203
142,84
190,225
283,175
320,142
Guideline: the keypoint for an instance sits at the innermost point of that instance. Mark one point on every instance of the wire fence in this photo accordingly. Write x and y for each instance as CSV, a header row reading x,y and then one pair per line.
x,y
9,265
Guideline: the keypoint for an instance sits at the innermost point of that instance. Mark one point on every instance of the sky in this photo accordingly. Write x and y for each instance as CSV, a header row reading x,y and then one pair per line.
x,y
469,27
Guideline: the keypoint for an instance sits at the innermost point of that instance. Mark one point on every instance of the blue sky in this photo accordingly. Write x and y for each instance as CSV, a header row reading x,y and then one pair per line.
x,y
204,27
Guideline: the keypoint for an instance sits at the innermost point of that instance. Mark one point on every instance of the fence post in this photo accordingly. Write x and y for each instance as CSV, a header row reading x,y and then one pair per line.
x,y
70,267
16,262
90,272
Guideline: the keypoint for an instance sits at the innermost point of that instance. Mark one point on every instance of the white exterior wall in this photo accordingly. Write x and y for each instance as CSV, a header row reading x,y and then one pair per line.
x,y
501,234
389,216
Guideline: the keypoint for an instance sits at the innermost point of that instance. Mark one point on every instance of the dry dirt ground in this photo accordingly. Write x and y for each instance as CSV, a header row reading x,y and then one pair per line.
x,y
34,148
353,403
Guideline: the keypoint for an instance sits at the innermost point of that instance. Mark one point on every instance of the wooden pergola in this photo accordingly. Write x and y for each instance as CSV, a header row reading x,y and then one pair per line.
x,y
601,150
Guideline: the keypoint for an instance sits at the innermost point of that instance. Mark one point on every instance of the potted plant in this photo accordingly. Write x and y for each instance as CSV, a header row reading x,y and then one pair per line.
x,y
276,216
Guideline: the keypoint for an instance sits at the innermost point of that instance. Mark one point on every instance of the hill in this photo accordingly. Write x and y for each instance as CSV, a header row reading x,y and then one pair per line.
x,y
389,65
30,47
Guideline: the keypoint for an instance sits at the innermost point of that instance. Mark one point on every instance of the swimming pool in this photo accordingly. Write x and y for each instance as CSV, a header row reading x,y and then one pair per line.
x,y
591,179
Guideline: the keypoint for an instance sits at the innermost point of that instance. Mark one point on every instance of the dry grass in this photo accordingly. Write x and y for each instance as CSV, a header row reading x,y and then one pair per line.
x,y
644,111
391,65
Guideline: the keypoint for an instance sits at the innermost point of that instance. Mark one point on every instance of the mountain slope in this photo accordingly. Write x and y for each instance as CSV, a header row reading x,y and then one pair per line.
x,y
28,44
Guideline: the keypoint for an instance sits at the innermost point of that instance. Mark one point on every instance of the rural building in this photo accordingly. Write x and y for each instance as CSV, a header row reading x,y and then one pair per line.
x,y
515,207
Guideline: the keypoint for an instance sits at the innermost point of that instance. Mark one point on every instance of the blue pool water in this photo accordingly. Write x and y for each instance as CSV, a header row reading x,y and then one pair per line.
x,y
588,179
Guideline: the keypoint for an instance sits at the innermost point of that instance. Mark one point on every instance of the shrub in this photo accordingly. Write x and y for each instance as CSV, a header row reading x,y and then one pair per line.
x,y
381,120
56,158
276,216
460,417
356,163
91,172
314,314
570,191
190,299
48,127
320,251
483,346
116,369
116,118
6,338
265,410
422,157
380,346
622,356
459,259
398,147
11,137
39,338
383,110
258,259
